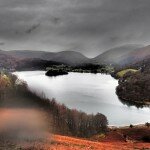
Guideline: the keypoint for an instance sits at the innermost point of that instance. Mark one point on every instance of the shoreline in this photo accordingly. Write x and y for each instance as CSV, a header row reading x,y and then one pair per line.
x,y
127,126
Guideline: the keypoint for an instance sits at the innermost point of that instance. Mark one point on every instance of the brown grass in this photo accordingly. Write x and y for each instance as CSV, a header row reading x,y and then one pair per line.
x,y
31,121
59,142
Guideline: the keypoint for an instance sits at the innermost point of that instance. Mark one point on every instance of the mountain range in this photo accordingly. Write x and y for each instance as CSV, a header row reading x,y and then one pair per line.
x,y
65,57
117,56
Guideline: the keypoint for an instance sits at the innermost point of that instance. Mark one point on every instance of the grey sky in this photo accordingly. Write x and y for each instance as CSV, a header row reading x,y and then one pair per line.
x,y
87,26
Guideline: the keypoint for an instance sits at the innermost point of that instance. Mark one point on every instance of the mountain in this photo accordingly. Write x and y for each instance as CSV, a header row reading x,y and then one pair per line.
x,y
115,55
23,54
136,56
122,55
66,57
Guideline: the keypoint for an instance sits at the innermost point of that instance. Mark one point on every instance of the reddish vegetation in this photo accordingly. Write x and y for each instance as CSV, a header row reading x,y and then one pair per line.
x,y
114,140
69,143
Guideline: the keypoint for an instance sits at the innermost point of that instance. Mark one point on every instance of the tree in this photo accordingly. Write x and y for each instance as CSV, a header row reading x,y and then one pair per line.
x,y
147,124
131,126
5,84
100,122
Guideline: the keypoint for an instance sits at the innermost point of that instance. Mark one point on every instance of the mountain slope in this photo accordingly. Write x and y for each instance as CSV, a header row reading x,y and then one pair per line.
x,y
114,56
7,61
66,57
23,54
136,56
123,55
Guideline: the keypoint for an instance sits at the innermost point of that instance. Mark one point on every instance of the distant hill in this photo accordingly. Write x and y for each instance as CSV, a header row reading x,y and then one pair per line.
x,y
7,61
65,57
11,62
23,54
136,56
115,55
34,64
118,56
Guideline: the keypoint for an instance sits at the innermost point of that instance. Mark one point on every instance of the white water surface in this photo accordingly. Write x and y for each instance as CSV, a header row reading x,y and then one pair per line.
x,y
87,92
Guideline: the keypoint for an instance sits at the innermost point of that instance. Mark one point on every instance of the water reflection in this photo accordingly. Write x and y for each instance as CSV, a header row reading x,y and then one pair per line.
x,y
131,103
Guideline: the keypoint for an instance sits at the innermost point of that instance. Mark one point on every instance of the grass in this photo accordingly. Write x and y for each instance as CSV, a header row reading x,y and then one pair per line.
x,y
123,72
72,143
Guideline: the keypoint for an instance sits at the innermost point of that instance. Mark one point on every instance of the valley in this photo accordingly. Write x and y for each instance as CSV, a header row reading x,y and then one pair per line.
x,y
80,114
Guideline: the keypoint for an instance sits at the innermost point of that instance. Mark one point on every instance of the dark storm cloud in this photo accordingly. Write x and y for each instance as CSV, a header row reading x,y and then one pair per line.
x,y
88,26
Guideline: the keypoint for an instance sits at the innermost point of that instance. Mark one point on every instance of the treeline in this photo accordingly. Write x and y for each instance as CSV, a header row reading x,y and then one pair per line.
x,y
135,87
93,68
56,72
64,120
84,68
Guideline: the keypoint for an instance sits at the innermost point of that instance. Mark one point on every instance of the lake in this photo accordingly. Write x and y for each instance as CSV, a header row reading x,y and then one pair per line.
x,y
87,92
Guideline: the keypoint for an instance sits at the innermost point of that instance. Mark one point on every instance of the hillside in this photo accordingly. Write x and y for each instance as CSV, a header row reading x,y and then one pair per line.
x,y
119,56
115,55
34,64
23,54
65,57
70,143
12,63
136,56
58,142
7,61
133,88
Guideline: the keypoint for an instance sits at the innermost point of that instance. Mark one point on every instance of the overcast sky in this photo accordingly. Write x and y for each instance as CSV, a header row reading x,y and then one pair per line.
x,y
87,26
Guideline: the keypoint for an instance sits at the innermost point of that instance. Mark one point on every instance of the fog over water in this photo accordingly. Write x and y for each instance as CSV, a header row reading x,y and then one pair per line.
x,y
87,92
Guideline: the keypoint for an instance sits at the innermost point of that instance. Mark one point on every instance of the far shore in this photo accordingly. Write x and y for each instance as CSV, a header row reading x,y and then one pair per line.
x,y
140,125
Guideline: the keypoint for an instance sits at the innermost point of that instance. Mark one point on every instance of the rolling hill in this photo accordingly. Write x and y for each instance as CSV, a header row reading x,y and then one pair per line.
x,y
120,56
136,56
65,57
115,55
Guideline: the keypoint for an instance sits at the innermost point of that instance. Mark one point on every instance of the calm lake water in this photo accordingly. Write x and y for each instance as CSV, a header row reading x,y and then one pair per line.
x,y
88,92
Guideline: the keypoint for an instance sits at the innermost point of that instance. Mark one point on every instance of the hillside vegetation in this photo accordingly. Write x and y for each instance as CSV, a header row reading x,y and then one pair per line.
x,y
114,140
135,87
123,72
66,57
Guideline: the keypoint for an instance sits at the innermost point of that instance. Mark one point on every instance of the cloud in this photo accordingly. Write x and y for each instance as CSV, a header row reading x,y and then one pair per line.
x,y
32,28
90,27
2,43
